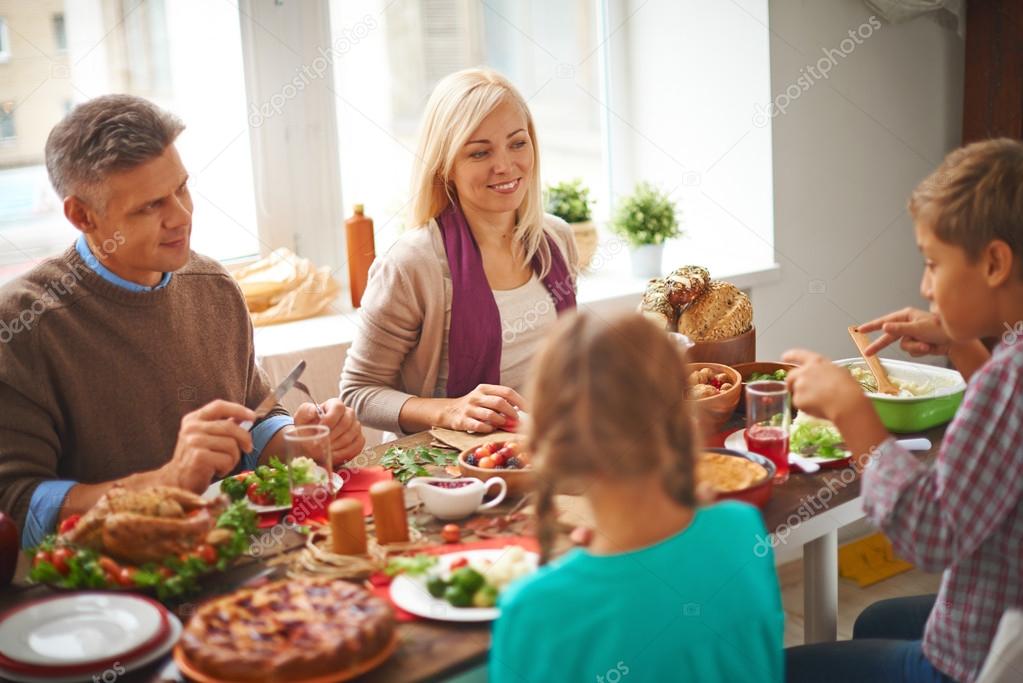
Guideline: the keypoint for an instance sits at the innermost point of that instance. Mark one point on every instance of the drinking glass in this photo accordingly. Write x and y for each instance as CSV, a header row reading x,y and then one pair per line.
x,y
767,424
309,500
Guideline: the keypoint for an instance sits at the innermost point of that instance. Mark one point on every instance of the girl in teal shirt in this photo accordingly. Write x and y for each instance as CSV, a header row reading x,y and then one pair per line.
x,y
666,591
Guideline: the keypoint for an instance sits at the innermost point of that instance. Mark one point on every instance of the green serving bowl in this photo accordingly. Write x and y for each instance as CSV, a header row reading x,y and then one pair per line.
x,y
908,414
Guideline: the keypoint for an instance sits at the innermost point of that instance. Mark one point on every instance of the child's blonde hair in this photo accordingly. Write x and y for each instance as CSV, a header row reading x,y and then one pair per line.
x,y
608,400
456,108
975,196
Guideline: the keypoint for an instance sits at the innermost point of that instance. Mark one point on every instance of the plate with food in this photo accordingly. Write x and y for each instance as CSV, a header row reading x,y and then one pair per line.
x,y
461,586
811,440
160,540
268,487
312,630
928,395
735,474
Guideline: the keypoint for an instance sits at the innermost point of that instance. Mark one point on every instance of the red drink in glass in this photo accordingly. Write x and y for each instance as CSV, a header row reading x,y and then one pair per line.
x,y
310,501
773,444
767,424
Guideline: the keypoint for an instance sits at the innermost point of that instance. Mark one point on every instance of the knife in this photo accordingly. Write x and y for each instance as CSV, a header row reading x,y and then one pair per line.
x,y
276,395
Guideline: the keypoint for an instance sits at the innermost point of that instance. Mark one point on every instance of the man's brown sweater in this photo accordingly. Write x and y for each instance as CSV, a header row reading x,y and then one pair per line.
x,y
94,378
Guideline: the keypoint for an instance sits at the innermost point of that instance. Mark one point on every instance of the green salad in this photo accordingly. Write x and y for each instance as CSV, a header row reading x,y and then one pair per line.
x,y
778,375
814,437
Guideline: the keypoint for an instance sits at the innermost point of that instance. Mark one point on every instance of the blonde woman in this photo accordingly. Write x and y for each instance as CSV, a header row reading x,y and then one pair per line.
x,y
454,311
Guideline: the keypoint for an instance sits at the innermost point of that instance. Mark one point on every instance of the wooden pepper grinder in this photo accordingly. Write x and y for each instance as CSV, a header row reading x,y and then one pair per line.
x,y
361,252
389,512
347,527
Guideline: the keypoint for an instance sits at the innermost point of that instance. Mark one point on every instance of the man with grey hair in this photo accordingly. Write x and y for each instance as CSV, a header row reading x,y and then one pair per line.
x,y
129,358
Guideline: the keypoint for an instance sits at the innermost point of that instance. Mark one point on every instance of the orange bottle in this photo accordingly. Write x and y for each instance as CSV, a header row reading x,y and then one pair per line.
x,y
361,252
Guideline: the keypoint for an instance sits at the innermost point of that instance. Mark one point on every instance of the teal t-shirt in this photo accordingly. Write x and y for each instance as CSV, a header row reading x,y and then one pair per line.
x,y
702,606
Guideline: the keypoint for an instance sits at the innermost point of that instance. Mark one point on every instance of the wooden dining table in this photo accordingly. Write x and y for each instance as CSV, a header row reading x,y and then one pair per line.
x,y
806,511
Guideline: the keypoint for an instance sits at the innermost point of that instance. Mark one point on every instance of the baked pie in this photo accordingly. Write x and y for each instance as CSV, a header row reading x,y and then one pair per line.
x,y
288,630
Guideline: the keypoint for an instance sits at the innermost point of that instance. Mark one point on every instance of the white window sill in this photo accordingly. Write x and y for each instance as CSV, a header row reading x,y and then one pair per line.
x,y
338,329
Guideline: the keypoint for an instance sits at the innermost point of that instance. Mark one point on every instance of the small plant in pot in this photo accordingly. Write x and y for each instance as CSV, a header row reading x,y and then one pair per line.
x,y
570,201
646,219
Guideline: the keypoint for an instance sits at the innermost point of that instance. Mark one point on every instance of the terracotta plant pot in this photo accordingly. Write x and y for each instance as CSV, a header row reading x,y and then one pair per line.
x,y
586,240
731,351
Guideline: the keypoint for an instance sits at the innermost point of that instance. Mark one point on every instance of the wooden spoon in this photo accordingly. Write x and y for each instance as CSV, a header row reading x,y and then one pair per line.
x,y
884,385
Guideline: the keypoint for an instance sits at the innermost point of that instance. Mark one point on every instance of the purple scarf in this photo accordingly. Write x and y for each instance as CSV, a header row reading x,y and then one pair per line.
x,y
474,338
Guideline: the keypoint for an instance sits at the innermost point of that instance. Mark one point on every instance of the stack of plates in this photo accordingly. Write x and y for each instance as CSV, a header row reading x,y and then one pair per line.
x,y
84,637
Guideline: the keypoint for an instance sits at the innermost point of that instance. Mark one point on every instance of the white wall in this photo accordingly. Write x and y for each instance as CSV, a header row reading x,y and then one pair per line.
x,y
847,153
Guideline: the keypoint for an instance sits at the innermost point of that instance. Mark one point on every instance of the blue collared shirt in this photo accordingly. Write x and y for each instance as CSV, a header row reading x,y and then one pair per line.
x,y
47,499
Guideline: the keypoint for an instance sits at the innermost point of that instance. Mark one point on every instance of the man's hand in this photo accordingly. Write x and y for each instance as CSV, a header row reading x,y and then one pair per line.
x,y
346,439
210,442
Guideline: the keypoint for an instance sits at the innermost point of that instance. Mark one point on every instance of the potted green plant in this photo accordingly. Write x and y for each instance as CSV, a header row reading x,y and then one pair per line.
x,y
570,201
646,219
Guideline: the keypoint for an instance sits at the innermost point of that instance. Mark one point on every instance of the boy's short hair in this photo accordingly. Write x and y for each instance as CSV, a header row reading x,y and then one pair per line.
x,y
975,196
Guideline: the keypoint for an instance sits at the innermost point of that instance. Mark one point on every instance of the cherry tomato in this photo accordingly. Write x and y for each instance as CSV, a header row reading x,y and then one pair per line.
x,y
166,572
126,577
486,463
109,565
60,558
513,447
42,556
484,451
68,524
460,562
259,498
499,458
207,553
451,533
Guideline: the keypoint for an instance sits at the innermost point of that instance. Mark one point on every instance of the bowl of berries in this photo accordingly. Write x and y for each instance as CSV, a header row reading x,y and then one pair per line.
x,y
506,459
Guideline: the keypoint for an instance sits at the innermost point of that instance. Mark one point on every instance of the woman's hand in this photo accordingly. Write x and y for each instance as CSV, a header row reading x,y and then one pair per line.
x,y
484,409
920,331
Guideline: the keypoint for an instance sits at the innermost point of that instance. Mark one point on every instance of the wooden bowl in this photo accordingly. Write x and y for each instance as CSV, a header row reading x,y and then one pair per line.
x,y
757,493
713,412
731,351
747,369
520,482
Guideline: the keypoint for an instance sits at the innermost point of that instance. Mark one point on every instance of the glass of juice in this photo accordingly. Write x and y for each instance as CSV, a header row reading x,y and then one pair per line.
x,y
309,498
767,424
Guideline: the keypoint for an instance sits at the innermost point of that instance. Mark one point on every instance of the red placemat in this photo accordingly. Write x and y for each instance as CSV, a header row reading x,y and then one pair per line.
x,y
381,583
357,483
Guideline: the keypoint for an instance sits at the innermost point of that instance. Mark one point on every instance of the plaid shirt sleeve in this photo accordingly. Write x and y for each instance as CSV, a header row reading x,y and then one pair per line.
x,y
937,515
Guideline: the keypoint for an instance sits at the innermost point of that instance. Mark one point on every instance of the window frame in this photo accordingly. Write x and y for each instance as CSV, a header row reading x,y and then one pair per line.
x,y
5,41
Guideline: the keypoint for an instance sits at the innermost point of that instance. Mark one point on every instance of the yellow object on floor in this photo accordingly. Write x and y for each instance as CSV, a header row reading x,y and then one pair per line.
x,y
869,560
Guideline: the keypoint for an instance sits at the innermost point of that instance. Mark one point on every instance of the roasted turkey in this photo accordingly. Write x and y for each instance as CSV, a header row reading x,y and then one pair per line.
x,y
148,525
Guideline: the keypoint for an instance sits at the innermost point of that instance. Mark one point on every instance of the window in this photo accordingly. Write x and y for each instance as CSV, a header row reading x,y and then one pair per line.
x,y
5,45
394,59
185,55
59,32
7,131
620,91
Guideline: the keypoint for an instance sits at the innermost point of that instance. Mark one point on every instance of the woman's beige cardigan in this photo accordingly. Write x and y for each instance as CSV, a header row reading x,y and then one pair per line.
x,y
404,321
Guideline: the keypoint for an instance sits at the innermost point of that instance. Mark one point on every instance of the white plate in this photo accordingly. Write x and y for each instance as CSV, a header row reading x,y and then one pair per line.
x,y
214,490
411,595
737,442
143,660
77,629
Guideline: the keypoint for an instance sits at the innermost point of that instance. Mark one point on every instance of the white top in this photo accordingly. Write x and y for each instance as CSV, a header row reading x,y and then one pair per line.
x,y
527,315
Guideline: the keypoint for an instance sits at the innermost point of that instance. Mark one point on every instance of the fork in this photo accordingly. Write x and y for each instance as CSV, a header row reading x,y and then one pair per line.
x,y
305,390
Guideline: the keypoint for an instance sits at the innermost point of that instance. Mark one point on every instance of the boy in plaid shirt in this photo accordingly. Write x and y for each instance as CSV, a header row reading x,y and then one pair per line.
x,y
964,514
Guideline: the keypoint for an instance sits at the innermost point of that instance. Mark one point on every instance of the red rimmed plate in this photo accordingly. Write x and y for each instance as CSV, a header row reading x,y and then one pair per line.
x,y
67,635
